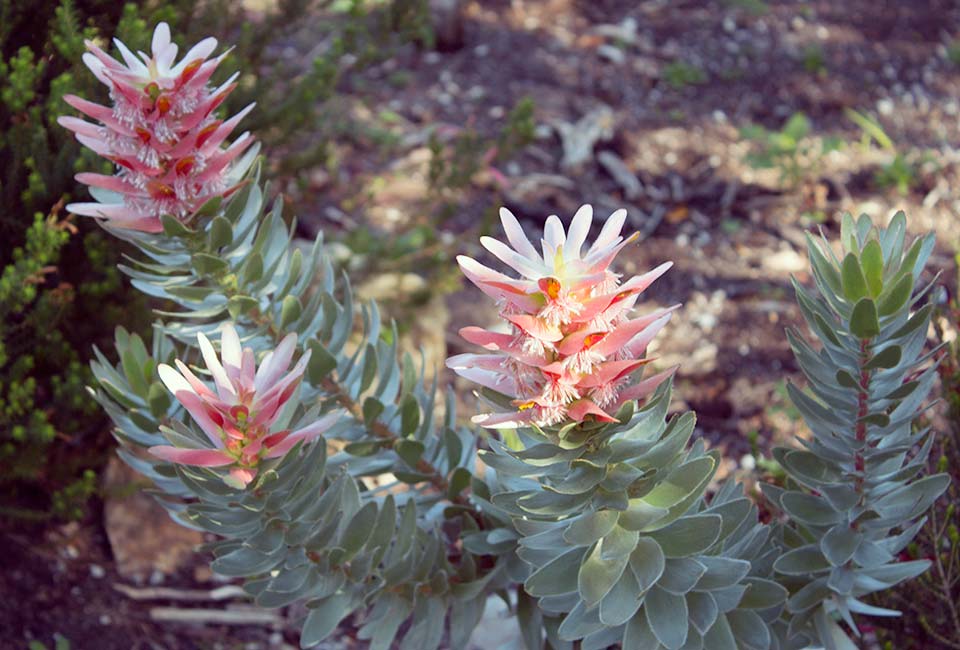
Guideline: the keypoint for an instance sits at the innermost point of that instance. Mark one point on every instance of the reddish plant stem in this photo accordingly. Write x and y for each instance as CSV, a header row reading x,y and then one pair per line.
x,y
861,427
379,429
333,388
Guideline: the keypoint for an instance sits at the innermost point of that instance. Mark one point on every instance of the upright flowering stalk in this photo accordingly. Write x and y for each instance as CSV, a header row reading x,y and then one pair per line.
x,y
572,346
238,416
160,132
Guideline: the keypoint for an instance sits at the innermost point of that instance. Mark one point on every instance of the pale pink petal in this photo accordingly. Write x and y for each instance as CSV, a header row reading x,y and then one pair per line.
x,y
213,142
581,408
248,369
645,387
535,327
201,388
635,285
275,362
499,286
626,331
243,475
112,183
231,352
205,414
96,144
504,420
638,344
306,434
111,211
487,339
610,371
494,362
196,457
490,379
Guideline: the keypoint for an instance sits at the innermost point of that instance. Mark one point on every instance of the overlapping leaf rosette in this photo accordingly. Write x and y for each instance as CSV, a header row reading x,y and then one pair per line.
x,y
160,132
606,496
858,494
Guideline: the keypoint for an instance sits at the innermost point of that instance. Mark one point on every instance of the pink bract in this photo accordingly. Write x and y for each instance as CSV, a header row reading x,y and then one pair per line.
x,y
160,132
238,413
572,347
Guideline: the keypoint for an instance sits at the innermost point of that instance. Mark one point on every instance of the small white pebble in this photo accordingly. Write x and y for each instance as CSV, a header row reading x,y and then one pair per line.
x,y
748,462
885,106
743,349
97,571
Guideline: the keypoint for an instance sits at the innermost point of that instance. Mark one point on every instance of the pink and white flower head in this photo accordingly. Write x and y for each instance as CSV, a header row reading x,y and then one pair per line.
x,y
237,415
572,349
160,132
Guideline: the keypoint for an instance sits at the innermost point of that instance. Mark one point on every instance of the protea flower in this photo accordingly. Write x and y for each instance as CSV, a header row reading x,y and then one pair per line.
x,y
160,132
573,350
237,417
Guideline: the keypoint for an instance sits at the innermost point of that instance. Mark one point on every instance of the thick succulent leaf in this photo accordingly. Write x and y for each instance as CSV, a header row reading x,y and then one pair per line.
x,y
323,616
688,535
667,616
598,575
557,577
647,562
802,561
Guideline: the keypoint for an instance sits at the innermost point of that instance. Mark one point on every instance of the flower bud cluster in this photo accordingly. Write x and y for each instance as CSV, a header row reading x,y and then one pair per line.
x,y
238,417
573,350
160,132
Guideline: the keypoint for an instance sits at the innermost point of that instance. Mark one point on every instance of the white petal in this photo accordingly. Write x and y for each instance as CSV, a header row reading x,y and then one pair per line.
x,y
553,239
161,38
97,68
489,378
224,387
516,236
610,234
531,268
578,231
173,380
164,59
201,51
132,61
230,350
